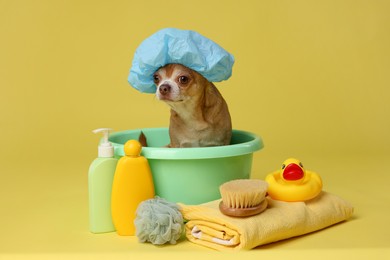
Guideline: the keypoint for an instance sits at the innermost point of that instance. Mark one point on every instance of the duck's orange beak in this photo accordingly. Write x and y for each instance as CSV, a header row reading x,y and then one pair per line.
x,y
293,172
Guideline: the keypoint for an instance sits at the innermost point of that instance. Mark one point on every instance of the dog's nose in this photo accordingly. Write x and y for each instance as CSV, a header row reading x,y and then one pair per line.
x,y
164,89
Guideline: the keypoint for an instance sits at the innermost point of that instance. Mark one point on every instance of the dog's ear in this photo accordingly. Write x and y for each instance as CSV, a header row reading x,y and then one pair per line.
x,y
142,139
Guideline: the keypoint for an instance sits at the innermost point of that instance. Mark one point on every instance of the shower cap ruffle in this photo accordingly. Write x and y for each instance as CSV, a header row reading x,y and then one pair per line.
x,y
185,47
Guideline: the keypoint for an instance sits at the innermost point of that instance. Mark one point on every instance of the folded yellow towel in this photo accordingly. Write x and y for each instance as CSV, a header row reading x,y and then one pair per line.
x,y
207,226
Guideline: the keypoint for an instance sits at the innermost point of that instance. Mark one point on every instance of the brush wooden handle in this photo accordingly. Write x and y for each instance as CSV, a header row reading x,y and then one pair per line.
x,y
243,212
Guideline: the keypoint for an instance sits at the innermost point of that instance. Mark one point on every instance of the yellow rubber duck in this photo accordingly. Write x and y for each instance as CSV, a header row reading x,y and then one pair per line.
x,y
293,183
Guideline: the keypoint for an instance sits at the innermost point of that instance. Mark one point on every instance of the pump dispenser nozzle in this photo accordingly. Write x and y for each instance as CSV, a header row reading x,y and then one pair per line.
x,y
105,149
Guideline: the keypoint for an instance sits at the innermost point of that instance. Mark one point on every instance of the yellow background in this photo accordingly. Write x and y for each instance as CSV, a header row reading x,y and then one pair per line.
x,y
311,78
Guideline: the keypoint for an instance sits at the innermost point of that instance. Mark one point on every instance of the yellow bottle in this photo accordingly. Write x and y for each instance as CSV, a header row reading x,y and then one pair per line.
x,y
133,183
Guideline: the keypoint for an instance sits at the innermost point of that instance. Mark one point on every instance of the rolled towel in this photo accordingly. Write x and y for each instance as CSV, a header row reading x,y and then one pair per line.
x,y
207,226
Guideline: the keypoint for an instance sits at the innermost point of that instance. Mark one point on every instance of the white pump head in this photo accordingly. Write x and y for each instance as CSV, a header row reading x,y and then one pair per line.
x,y
105,149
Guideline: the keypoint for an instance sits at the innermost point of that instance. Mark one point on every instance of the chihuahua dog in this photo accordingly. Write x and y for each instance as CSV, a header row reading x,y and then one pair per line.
x,y
199,114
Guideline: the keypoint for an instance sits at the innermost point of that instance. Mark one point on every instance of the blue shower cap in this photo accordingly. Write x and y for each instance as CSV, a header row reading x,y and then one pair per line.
x,y
185,47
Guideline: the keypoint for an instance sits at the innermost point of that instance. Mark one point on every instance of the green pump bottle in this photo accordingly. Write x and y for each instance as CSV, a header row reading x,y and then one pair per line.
x,y
100,178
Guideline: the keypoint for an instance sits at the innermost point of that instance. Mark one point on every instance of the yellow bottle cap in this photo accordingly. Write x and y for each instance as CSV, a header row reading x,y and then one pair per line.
x,y
132,148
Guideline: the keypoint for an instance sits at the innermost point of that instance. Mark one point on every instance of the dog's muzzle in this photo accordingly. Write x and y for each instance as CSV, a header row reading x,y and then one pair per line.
x,y
164,89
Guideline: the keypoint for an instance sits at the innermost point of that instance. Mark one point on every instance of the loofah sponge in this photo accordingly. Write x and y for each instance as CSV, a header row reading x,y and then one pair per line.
x,y
158,222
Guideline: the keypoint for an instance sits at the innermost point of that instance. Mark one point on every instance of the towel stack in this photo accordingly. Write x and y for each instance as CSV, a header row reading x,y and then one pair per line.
x,y
207,226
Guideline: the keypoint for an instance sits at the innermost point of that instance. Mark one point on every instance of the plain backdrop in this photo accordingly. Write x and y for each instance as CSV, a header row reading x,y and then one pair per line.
x,y
311,78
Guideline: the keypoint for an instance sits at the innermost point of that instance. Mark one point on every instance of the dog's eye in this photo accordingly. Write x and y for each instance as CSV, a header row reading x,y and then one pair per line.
x,y
156,79
183,79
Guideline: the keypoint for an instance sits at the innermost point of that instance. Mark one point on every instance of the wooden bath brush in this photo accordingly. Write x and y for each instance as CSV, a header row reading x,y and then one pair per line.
x,y
243,198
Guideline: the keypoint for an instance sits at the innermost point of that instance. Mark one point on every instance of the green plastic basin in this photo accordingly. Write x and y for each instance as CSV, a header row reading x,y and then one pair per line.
x,y
192,175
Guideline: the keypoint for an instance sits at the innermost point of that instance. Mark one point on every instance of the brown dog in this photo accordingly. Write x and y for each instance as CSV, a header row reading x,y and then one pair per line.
x,y
199,114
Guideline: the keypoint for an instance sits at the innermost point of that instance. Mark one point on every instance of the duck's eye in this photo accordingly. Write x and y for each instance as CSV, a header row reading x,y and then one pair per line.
x,y
300,164
183,79
156,78
283,166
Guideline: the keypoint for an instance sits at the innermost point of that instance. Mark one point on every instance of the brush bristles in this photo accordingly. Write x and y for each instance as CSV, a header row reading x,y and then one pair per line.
x,y
243,193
